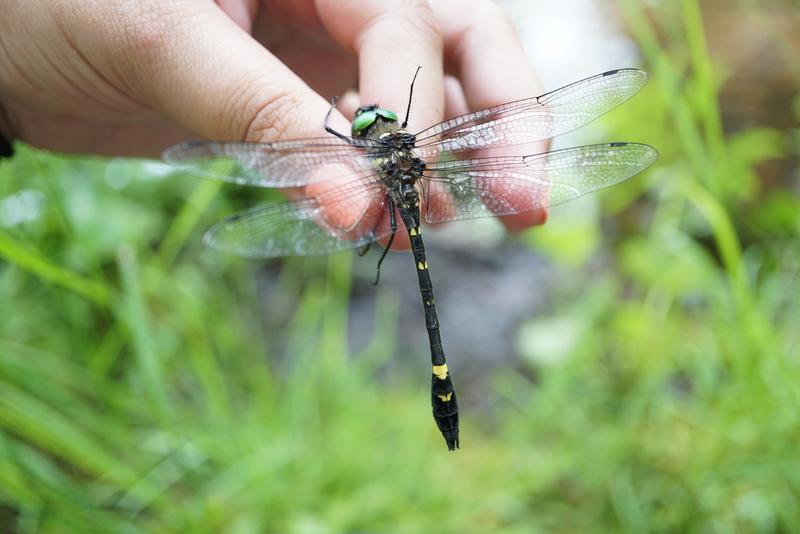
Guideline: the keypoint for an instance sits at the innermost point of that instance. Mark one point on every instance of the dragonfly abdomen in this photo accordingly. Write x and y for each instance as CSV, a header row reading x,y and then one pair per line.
x,y
443,395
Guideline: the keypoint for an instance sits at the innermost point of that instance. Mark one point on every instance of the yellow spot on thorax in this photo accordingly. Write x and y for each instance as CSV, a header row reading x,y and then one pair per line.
x,y
422,266
440,371
415,232
446,398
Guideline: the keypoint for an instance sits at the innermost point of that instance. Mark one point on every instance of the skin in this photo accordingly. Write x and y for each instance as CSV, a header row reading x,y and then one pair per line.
x,y
118,77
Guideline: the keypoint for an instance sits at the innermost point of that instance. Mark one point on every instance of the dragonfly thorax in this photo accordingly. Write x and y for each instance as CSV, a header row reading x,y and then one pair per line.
x,y
393,158
397,163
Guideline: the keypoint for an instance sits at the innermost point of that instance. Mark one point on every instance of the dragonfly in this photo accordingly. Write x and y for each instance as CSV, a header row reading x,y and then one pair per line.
x,y
353,191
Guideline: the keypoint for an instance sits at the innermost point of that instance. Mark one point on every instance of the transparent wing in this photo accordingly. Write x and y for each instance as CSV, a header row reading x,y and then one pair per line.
x,y
284,164
341,218
532,119
486,187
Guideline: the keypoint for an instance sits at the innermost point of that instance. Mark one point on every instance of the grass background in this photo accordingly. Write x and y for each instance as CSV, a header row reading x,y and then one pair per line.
x,y
146,384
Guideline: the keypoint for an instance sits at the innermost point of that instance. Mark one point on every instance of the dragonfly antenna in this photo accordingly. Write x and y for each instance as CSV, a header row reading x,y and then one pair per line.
x,y
410,94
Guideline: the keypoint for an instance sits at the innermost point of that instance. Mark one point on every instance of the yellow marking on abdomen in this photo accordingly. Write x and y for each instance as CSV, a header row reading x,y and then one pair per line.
x,y
440,371
422,266
446,398
413,231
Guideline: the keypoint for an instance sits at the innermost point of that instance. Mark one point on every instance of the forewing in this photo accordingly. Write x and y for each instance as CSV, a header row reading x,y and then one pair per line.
x,y
342,218
486,187
284,164
532,119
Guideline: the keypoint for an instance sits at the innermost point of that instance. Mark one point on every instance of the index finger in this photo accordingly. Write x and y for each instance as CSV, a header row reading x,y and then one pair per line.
x,y
391,40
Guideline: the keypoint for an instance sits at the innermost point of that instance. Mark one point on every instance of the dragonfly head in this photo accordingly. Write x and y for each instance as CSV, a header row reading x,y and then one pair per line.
x,y
368,116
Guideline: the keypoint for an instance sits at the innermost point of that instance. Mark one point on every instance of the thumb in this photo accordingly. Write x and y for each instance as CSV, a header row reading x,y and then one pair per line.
x,y
198,67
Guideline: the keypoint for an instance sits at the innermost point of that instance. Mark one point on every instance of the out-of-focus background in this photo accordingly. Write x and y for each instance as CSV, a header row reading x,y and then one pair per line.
x,y
632,365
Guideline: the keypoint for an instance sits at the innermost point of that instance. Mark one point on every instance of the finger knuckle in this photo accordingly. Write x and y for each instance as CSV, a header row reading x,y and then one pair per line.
x,y
146,28
267,119
419,14
490,11
413,17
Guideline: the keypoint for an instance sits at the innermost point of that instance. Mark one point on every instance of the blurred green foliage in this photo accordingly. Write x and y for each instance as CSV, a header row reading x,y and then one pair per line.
x,y
147,384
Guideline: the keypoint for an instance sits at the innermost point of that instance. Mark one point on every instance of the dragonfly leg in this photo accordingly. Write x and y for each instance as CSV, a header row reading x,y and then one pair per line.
x,y
329,129
393,226
410,94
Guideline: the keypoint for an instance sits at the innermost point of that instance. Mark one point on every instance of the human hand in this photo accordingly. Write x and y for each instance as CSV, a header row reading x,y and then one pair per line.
x,y
129,78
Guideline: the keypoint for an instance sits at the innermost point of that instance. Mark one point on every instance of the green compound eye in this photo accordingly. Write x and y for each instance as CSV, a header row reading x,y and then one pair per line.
x,y
368,116
387,114
363,121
